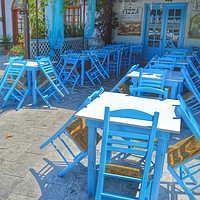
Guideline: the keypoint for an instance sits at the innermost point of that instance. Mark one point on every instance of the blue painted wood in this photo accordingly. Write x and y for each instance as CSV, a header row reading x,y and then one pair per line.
x,y
52,86
69,73
62,133
124,79
10,85
112,142
187,170
97,70
163,30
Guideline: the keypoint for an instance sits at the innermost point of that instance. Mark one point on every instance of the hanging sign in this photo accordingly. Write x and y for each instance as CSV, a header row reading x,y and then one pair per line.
x,y
130,20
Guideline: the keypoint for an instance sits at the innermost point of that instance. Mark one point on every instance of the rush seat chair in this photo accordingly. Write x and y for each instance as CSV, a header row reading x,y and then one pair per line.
x,y
74,133
10,85
133,144
181,156
52,86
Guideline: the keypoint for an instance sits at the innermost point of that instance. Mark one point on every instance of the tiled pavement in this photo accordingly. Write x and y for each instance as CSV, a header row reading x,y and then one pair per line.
x,y
28,173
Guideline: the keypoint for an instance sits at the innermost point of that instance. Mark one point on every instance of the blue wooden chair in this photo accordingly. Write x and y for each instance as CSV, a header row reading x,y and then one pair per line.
x,y
135,144
169,63
151,62
151,87
102,55
149,92
73,131
10,85
97,71
135,54
69,72
52,86
60,63
196,57
114,65
121,86
182,154
192,98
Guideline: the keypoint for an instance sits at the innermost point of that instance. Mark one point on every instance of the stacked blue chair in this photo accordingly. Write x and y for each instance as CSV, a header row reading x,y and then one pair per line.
x,y
114,65
97,70
135,54
197,59
134,144
60,63
69,72
52,86
181,156
102,54
10,85
192,98
73,131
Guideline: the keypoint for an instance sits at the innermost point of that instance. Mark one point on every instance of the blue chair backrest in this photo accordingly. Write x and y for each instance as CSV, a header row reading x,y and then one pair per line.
x,y
188,118
152,82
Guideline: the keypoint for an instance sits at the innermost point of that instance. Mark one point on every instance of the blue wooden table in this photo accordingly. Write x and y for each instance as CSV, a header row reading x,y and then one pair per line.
x,y
174,79
168,123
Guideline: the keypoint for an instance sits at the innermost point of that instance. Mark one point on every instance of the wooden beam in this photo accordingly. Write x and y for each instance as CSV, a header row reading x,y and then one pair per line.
x,y
3,17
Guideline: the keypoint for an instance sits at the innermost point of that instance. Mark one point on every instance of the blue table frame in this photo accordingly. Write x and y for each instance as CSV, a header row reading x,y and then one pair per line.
x,y
168,123
174,79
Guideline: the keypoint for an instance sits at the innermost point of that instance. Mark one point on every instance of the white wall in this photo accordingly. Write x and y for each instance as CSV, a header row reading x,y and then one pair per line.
x,y
8,4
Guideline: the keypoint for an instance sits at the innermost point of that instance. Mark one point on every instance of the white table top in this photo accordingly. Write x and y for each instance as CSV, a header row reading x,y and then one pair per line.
x,y
167,119
175,76
30,63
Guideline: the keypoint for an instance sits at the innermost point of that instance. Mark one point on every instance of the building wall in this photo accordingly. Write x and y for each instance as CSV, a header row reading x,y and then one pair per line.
x,y
140,3
8,4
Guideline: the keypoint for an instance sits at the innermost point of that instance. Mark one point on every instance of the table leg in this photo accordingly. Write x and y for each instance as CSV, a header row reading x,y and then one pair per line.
x,y
174,90
159,163
34,85
82,71
91,160
29,82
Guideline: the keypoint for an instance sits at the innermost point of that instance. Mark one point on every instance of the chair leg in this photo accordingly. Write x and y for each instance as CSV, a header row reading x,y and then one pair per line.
x,y
181,182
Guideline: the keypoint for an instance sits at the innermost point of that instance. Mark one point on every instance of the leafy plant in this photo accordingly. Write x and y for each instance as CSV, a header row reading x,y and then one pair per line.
x,y
42,28
106,20
73,31
19,49
6,40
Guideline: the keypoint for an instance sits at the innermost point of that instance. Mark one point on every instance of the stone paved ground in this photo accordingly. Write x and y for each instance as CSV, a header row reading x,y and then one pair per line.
x,y
28,173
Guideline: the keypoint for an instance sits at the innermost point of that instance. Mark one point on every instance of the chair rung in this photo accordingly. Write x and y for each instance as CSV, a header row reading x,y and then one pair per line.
x,y
117,196
127,178
195,187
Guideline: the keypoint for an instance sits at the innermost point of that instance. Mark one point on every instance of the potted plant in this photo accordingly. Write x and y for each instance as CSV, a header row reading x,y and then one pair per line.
x,y
5,40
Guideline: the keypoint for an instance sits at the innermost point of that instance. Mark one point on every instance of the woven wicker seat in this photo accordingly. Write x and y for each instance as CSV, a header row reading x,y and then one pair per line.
x,y
181,157
183,150
79,132
124,171
124,88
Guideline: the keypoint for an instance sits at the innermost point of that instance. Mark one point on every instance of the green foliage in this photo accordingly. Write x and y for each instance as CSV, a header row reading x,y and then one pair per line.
x,y
42,28
5,40
19,49
1,19
106,20
73,31
66,3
